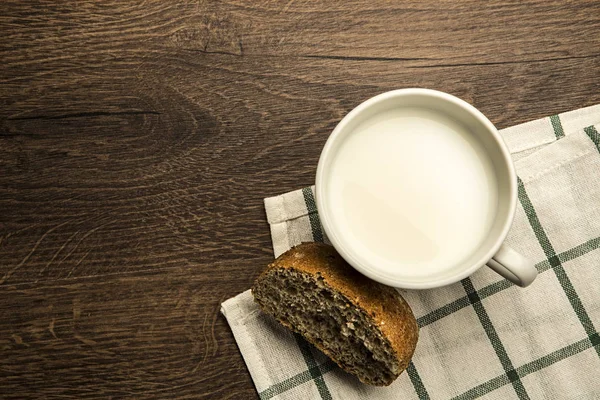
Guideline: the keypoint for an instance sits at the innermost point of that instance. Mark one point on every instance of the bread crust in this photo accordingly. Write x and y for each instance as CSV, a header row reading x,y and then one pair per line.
x,y
385,308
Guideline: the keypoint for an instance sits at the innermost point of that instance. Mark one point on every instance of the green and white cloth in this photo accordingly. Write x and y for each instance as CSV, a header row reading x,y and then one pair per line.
x,y
482,337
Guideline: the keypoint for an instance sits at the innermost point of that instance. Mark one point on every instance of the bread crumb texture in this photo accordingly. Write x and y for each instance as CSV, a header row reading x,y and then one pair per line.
x,y
365,327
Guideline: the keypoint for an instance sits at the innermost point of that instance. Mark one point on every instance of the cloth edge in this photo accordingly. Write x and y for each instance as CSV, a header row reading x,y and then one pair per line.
x,y
236,319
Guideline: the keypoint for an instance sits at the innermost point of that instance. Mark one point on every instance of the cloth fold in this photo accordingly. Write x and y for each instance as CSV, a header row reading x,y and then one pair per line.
x,y
483,336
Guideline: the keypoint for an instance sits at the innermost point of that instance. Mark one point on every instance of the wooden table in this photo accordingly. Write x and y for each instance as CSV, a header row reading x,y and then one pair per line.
x,y
138,139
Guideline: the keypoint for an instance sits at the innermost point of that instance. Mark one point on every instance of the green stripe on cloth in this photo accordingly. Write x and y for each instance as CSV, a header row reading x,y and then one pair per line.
x,y
484,388
313,215
594,135
294,381
532,217
578,251
556,356
557,266
557,126
313,368
417,382
491,333
531,367
444,311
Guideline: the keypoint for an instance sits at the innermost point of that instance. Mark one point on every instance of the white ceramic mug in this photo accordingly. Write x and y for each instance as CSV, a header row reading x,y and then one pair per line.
x,y
492,251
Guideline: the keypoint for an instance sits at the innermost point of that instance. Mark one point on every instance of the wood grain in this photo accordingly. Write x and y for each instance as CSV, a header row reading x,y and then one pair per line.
x,y
124,337
138,141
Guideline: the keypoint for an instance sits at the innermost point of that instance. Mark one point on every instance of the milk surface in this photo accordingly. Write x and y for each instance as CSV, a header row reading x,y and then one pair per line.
x,y
413,190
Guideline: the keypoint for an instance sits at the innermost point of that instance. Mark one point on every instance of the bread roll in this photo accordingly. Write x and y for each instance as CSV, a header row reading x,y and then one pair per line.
x,y
365,327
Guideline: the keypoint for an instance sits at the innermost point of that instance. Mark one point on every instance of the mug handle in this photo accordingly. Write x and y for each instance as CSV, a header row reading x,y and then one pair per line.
x,y
513,266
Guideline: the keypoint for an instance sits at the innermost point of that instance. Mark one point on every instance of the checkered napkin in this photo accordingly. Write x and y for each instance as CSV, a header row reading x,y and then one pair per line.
x,y
481,337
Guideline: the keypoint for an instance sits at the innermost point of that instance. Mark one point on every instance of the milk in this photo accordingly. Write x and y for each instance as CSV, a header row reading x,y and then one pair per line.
x,y
413,191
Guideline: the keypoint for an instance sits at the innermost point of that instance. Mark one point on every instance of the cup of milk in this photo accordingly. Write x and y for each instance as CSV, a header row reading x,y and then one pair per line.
x,y
416,189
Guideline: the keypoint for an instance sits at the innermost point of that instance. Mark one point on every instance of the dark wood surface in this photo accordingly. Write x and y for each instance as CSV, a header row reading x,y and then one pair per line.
x,y
138,139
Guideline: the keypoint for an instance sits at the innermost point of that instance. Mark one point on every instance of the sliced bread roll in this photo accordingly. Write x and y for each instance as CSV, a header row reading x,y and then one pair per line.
x,y
365,327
